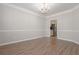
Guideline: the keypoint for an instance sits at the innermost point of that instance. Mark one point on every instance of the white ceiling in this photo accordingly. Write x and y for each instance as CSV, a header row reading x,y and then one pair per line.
x,y
54,8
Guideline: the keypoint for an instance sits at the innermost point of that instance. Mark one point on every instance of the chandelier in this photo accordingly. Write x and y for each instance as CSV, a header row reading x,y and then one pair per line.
x,y
44,8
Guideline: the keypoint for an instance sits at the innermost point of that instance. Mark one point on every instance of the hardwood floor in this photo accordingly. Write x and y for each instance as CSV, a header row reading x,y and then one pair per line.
x,y
41,46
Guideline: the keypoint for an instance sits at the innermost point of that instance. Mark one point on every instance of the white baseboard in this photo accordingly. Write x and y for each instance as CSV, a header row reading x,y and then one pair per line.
x,y
47,35
20,40
3,44
69,40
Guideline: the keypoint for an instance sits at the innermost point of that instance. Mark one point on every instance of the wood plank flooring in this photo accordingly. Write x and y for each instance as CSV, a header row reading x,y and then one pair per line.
x,y
41,46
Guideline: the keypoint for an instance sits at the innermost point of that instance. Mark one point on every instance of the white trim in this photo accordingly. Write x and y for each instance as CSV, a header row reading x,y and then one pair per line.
x,y
23,9
67,30
3,44
10,30
66,11
47,35
38,30
17,30
69,40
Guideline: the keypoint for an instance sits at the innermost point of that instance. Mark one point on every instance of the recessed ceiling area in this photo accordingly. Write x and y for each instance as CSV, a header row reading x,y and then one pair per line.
x,y
54,7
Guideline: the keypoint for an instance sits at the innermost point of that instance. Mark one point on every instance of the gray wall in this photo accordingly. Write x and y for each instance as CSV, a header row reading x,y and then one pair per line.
x,y
16,25
68,26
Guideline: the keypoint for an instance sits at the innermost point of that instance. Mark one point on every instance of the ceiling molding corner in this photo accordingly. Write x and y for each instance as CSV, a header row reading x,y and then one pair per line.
x,y
66,11
22,9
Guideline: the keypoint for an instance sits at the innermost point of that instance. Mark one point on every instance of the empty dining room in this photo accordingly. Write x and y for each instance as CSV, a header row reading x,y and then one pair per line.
x,y
39,28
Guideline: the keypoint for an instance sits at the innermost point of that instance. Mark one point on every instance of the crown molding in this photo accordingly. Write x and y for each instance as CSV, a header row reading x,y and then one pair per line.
x,y
66,11
23,9
36,14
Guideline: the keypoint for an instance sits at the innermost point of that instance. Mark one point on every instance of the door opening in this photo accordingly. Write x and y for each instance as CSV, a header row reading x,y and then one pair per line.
x,y
53,28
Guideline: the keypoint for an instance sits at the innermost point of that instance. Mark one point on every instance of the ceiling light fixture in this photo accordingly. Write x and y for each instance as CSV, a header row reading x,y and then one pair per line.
x,y
44,8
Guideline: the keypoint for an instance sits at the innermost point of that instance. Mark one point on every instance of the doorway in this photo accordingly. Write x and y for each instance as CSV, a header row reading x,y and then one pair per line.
x,y
53,28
